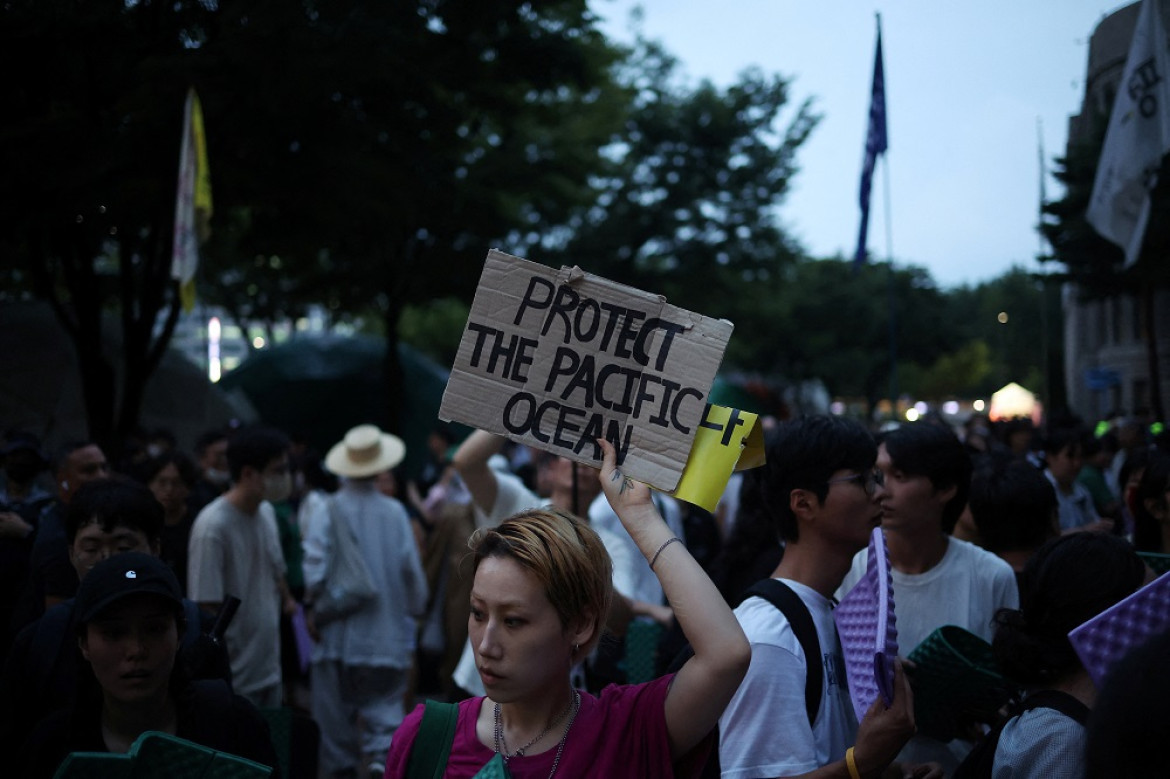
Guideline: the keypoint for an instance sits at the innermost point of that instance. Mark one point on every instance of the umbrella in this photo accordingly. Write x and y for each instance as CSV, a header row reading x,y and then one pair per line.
x,y
318,387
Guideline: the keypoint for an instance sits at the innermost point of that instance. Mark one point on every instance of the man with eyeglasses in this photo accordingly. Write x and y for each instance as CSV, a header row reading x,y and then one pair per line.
x,y
823,494
234,549
937,579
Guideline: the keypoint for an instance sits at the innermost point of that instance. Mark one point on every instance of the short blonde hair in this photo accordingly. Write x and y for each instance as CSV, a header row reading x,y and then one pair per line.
x,y
564,554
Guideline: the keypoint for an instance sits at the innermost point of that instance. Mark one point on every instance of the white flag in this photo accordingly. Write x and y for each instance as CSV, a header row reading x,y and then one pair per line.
x,y
192,201
1137,138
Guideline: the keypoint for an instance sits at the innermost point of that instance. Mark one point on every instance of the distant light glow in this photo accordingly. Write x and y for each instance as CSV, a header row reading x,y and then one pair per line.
x,y
921,407
1003,317
951,407
978,405
214,368
911,415
837,408
258,342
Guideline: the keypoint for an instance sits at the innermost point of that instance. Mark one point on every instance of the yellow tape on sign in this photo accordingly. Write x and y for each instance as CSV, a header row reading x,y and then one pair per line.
x,y
727,440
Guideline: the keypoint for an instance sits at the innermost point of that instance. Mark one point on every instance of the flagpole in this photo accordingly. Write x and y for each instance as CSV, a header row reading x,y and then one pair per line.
x,y
891,276
891,287
891,295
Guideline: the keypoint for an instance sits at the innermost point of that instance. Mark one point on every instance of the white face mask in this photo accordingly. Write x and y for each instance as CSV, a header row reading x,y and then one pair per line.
x,y
216,476
277,487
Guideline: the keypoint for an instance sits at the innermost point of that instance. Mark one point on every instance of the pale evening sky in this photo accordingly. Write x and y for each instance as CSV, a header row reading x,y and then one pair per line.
x,y
965,86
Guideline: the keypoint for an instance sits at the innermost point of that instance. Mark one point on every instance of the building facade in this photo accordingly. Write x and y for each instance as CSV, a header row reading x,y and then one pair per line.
x,y
1107,360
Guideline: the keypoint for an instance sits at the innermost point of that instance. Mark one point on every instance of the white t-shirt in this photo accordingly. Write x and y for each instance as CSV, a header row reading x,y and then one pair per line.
x,y
231,553
966,588
764,731
512,497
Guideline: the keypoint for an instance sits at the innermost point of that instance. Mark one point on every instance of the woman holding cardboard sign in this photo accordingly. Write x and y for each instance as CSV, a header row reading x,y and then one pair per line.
x,y
541,590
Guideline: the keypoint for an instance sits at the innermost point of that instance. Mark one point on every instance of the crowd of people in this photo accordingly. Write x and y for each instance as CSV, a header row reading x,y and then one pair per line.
x,y
512,591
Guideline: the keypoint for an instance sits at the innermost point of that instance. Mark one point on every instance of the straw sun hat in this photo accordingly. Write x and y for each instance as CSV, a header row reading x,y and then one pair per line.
x,y
365,451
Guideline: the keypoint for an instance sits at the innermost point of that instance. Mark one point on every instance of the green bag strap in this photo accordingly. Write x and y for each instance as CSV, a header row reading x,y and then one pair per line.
x,y
432,745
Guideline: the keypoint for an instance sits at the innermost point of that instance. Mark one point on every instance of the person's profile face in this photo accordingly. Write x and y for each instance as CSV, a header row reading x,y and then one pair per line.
x,y
92,544
852,507
909,500
132,646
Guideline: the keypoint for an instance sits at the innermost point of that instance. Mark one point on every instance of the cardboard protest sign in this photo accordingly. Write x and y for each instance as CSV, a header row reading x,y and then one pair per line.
x,y
727,440
558,358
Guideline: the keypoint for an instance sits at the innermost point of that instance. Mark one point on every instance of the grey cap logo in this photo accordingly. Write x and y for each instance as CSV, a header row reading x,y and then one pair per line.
x,y
131,575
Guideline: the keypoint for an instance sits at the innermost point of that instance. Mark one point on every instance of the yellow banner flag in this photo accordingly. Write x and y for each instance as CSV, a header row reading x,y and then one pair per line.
x,y
727,440
192,201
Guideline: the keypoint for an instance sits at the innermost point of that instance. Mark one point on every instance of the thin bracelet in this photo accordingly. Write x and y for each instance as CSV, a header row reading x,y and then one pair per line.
x,y
851,764
665,544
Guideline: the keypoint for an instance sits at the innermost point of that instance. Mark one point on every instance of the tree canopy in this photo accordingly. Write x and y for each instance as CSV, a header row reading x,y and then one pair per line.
x,y
688,203
362,154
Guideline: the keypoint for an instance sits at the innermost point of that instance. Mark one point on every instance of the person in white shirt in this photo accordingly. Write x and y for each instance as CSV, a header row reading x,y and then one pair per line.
x,y
823,494
234,549
937,580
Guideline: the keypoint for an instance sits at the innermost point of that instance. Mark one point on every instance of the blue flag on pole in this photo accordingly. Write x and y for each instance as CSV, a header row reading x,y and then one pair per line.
x,y
876,142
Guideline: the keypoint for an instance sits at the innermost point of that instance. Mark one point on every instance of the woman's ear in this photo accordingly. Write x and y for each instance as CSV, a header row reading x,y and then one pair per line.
x,y
583,630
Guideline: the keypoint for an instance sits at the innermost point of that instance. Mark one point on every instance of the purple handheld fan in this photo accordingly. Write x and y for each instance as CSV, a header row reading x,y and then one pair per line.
x,y
869,637
1107,637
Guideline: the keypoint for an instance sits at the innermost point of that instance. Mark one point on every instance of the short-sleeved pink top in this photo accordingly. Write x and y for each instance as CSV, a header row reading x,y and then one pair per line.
x,y
620,734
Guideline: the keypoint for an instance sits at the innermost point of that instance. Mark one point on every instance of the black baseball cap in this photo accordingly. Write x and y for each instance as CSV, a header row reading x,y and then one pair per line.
x,y
120,576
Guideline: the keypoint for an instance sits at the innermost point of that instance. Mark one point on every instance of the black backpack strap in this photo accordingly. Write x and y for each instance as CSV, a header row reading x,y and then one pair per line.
x,y
194,619
792,607
432,744
1060,701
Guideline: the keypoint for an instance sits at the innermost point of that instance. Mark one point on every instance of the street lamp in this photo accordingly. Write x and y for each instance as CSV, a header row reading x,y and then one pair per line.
x,y
1002,318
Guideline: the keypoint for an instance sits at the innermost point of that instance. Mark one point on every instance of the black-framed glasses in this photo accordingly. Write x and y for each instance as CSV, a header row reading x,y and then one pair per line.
x,y
869,481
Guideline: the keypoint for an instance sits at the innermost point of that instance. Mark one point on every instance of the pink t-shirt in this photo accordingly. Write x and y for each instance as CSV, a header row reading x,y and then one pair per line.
x,y
620,734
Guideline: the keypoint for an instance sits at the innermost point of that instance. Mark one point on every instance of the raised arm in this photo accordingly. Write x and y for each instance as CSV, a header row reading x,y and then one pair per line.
x,y
471,461
703,687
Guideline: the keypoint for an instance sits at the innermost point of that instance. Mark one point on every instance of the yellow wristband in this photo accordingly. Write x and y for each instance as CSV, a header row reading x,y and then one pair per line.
x,y
851,764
